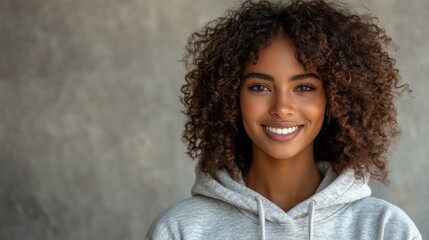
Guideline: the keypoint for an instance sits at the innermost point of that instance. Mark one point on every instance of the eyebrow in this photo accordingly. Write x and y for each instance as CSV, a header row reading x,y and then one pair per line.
x,y
267,77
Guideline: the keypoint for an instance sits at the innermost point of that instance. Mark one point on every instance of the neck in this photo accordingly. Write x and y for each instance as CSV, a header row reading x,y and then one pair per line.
x,y
285,182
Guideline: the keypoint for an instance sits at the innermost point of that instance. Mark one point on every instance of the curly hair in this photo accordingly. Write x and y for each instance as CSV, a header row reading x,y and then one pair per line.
x,y
349,52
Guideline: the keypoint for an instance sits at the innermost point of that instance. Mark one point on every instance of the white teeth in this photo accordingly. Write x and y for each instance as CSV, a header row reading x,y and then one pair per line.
x,y
282,130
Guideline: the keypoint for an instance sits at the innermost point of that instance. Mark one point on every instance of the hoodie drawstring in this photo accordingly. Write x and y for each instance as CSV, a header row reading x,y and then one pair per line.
x,y
310,219
311,210
261,217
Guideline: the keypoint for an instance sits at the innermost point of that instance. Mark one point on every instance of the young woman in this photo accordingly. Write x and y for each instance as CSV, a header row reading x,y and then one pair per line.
x,y
290,114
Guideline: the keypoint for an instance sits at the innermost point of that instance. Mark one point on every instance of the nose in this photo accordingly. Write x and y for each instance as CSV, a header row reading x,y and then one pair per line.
x,y
282,105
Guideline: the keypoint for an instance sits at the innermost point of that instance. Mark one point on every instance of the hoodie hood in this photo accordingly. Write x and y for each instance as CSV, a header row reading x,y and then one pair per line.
x,y
224,208
333,192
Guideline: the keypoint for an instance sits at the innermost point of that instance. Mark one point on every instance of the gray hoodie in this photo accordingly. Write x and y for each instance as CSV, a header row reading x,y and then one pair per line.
x,y
341,208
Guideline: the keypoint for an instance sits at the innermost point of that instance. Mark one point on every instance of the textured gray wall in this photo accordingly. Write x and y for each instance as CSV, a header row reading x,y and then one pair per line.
x,y
90,134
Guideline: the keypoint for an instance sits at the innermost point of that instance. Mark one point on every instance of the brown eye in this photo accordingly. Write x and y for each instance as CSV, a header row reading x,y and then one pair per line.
x,y
305,88
258,88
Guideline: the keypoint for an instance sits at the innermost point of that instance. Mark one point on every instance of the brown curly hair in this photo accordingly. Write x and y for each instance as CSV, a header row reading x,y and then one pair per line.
x,y
348,51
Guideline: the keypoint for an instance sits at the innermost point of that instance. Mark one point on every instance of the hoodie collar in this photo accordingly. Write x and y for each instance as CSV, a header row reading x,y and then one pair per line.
x,y
334,190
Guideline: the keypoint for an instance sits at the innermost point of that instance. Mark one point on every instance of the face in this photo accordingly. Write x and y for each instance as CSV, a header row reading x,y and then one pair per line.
x,y
282,105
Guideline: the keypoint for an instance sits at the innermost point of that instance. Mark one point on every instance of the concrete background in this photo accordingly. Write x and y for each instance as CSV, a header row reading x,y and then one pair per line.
x,y
90,144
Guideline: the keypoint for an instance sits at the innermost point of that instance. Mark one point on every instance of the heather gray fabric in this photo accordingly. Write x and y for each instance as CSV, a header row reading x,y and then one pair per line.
x,y
341,208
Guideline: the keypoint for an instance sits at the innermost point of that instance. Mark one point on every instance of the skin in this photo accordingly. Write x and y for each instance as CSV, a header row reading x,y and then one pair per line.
x,y
278,92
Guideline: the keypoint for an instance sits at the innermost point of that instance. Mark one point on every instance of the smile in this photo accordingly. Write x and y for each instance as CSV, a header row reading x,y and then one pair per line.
x,y
282,131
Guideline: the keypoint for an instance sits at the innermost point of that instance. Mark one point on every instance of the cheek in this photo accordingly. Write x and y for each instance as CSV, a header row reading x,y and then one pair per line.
x,y
250,107
253,110
314,109
248,112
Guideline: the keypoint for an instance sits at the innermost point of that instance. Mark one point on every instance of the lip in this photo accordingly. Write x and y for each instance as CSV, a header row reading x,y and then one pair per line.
x,y
282,137
281,124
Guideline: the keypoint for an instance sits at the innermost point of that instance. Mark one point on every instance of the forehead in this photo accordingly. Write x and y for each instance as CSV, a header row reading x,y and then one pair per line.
x,y
279,50
278,59
279,54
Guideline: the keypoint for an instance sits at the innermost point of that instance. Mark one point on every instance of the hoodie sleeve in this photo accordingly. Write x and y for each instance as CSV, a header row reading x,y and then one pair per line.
x,y
180,221
165,226
399,226
394,223
159,231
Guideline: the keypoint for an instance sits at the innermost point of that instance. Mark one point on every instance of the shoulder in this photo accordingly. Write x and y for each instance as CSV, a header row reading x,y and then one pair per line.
x,y
173,222
194,208
390,220
381,208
